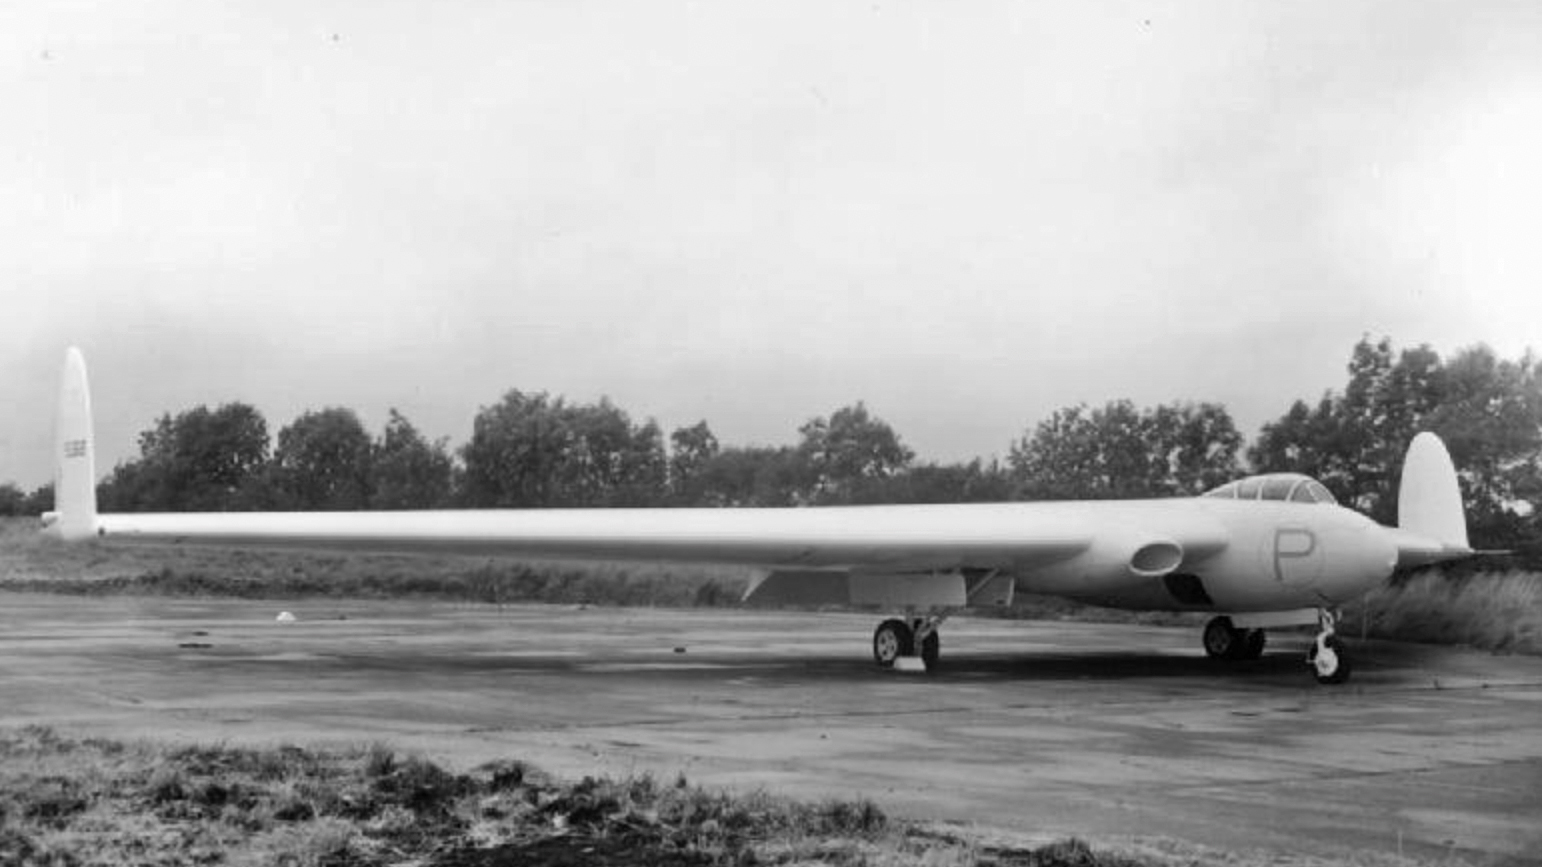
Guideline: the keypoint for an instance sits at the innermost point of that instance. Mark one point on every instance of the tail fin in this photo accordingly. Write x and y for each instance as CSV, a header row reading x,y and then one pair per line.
x,y
1429,502
74,515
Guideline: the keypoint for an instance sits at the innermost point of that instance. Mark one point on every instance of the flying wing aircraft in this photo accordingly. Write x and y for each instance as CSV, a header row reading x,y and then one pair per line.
x,y
1266,551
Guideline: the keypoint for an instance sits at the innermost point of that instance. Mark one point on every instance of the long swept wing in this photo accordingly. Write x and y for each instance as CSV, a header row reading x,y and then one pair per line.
x,y
899,538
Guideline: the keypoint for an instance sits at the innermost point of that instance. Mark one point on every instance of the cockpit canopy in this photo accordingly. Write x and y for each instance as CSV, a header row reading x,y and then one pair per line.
x,y
1292,487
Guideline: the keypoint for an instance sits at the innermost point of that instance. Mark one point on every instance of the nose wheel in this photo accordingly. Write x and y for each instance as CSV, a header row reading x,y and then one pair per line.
x,y
1328,657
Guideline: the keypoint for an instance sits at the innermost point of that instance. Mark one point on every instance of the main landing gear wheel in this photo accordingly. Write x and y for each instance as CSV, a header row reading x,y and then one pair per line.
x,y
1253,644
891,640
896,638
1328,656
1222,640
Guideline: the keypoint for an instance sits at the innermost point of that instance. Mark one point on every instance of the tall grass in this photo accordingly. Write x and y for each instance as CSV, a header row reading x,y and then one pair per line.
x,y
1501,611
491,583
71,802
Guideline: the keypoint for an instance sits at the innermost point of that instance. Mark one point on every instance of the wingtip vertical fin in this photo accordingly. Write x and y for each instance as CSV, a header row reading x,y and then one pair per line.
x,y
75,453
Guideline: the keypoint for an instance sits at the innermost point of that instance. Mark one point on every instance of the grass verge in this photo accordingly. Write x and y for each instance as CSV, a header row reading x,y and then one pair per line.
x,y
30,562
1501,612
65,801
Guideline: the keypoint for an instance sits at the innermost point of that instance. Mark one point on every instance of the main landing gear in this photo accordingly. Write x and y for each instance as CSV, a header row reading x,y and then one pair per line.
x,y
895,639
1225,641
1327,657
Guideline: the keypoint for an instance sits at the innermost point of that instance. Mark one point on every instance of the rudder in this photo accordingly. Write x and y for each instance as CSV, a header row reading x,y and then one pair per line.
x,y
1429,500
74,514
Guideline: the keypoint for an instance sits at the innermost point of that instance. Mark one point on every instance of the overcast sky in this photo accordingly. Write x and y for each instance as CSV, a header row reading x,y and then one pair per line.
x,y
967,215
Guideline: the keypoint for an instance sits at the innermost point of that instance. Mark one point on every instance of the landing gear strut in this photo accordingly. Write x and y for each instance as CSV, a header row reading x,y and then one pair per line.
x,y
1224,641
895,638
1328,657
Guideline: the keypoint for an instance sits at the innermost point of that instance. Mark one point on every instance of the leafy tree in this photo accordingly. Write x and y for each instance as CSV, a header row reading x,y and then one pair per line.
x,y
1194,447
691,449
13,501
1304,440
1118,450
406,470
133,486
322,462
608,460
515,446
848,452
1353,442
40,500
1488,411
531,450
198,460
644,476
1490,416
754,476
1079,453
973,482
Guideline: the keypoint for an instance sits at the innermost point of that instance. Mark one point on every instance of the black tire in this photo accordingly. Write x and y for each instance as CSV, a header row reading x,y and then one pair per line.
x,y
891,640
1252,644
1221,639
1339,673
931,649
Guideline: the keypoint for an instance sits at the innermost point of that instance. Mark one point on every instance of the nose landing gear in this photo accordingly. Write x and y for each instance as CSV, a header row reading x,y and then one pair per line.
x,y
1328,657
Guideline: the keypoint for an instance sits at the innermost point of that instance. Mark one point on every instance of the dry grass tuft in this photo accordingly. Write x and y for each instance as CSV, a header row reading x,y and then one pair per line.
x,y
31,562
1501,612
74,802
67,802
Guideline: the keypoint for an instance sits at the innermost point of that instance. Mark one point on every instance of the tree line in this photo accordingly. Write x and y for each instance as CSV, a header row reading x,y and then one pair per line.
x,y
537,450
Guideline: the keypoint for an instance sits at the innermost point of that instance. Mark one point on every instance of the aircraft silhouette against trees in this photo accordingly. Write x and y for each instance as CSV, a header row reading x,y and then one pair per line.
x,y
1265,551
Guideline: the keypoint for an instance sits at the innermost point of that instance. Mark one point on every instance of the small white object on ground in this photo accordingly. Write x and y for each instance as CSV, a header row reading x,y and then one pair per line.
x,y
286,617
909,663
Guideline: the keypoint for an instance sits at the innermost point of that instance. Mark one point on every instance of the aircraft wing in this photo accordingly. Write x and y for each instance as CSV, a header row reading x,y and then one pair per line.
x,y
896,538
872,539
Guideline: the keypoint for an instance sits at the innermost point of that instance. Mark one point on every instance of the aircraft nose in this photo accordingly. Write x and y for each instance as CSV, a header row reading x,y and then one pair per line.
x,y
1361,561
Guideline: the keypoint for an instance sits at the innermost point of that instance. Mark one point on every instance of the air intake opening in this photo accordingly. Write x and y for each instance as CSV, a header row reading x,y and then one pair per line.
x,y
1156,558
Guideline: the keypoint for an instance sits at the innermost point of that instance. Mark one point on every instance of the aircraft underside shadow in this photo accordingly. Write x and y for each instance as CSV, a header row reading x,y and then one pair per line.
x,y
1281,665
